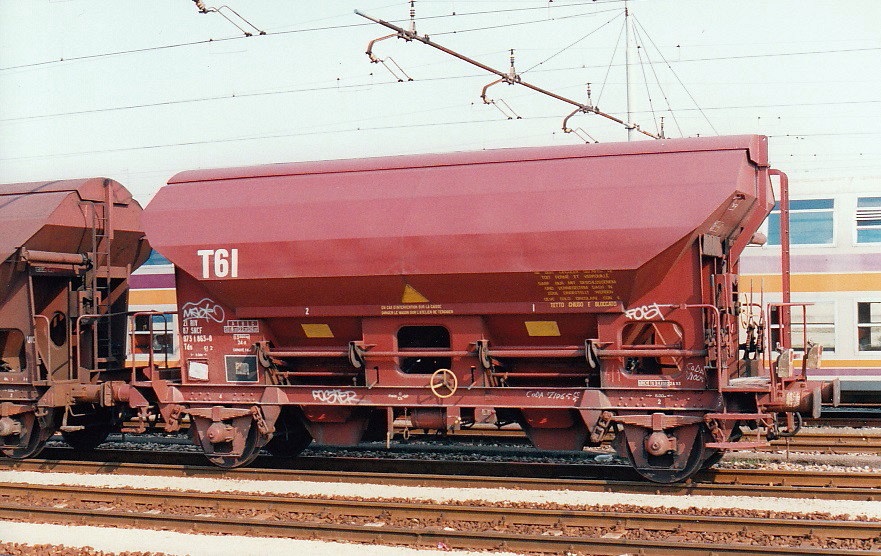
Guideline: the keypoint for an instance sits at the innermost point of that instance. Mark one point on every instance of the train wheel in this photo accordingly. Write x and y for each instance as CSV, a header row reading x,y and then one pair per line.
x,y
231,462
291,436
35,432
675,466
87,439
231,453
98,427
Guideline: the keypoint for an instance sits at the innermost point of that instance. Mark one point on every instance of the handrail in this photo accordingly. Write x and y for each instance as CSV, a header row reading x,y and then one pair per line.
x,y
804,321
52,257
651,352
786,331
721,364
297,352
344,352
150,358
79,351
539,352
46,360
785,276
503,351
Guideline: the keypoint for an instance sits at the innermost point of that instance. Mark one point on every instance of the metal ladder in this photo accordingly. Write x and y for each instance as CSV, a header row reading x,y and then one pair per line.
x,y
99,278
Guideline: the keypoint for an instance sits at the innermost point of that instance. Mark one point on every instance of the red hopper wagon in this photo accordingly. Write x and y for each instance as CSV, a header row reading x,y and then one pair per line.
x,y
66,251
580,291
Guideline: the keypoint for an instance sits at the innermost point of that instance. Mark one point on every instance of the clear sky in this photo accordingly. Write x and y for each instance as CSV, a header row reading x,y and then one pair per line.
x,y
138,91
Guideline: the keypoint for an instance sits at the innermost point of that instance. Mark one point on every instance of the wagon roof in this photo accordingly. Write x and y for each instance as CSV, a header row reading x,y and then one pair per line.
x,y
25,208
609,206
755,145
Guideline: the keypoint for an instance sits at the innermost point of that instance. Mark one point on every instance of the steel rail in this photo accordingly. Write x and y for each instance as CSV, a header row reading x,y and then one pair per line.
x,y
715,482
436,521
834,443
849,415
854,422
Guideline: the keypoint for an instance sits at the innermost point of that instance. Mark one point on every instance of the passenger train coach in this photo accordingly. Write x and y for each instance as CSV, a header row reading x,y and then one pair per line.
x,y
152,297
835,235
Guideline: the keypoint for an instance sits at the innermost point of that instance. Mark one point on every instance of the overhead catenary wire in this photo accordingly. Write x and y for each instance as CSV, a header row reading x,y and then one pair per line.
x,y
363,128
610,65
349,26
648,91
557,6
358,129
515,24
322,131
663,93
570,45
336,85
354,25
185,44
651,65
411,36
677,77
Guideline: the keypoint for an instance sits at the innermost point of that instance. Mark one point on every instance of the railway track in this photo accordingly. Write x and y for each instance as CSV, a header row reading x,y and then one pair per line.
x,y
523,476
466,526
833,442
614,530
856,416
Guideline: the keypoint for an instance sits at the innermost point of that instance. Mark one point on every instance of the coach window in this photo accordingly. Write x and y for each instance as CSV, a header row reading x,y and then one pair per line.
x,y
810,222
869,326
162,335
820,322
156,258
421,338
868,219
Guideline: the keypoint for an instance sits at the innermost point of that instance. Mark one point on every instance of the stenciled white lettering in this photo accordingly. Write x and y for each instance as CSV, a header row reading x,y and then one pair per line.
x,y
224,262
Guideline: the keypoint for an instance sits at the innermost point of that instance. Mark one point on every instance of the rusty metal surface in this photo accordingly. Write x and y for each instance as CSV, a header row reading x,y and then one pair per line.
x,y
505,262
66,249
463,228
47,216
22,216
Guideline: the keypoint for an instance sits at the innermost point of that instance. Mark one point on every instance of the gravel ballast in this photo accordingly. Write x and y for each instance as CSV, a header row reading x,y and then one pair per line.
x,y
81,540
